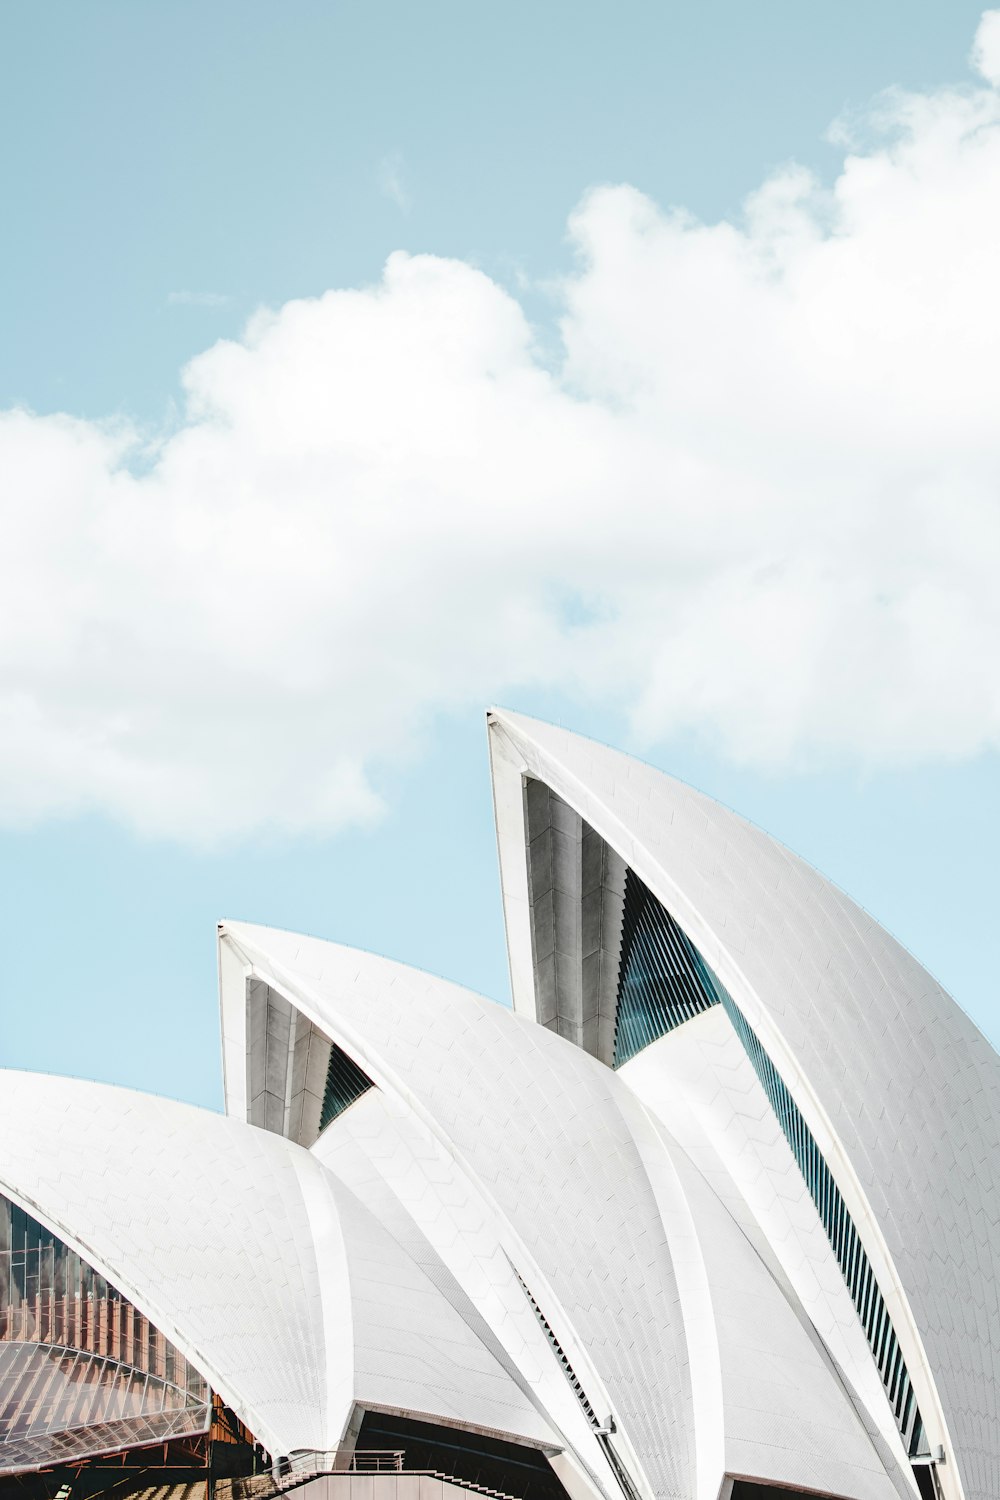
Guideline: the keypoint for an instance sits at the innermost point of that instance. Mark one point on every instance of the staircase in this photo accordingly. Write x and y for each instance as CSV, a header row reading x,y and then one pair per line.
x,y
303,1468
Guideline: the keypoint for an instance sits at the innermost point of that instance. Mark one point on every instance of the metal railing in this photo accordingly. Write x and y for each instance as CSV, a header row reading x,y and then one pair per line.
x,y
302,1468
354,1461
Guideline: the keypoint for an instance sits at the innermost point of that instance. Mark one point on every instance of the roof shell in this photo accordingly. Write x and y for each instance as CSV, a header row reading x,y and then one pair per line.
x,y
475,1106
535,1124
224,1236
253,1259
898,1086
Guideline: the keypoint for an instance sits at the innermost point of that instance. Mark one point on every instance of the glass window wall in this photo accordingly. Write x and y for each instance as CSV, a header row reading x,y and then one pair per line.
x,y
82,1371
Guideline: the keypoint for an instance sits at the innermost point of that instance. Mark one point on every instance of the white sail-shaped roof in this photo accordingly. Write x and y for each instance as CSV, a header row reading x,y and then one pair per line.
x,y
224,1236
716,1202
531,1168
281,1288
896,1084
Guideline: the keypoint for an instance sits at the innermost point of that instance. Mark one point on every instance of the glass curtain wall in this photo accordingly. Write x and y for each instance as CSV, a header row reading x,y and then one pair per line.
x,y
82,1371
345,1082
664,982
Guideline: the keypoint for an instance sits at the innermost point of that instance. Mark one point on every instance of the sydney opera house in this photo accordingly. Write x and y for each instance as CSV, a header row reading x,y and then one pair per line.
x,y
713,1211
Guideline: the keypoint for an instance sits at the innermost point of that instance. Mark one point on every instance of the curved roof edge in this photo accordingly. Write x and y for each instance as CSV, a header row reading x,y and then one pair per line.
x,y
822,984
162,1197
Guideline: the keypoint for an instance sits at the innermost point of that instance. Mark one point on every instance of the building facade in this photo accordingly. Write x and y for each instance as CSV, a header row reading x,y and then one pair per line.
x,y
713,1210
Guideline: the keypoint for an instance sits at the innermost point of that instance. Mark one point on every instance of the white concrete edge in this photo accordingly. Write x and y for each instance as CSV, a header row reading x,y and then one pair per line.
x,y
540,763
507,776
298,991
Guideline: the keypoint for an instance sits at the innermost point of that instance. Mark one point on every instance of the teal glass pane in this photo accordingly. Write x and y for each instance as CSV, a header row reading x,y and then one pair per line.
x,y
663,982
345,1082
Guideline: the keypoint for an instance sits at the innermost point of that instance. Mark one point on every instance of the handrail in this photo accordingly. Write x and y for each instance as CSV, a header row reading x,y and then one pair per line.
x,y
303,1468
355,1461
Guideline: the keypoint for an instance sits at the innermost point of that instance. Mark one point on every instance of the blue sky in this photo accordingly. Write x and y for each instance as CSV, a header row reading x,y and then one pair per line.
x,y
239,150
780,535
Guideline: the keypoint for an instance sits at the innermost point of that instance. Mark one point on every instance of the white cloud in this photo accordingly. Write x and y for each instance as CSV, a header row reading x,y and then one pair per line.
x,y
986,48
759,501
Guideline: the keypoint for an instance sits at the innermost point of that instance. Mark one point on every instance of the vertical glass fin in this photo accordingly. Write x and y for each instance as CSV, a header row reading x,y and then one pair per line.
x,y
842,1234
82,1371
662,981
345,1082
